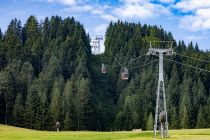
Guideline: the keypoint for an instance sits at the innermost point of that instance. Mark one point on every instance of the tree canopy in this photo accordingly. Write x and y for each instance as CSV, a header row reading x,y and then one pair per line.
x,y
49,75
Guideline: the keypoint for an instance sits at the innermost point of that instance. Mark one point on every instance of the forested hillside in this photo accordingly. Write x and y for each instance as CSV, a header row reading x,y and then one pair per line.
x,y
45,76
48,74
187,89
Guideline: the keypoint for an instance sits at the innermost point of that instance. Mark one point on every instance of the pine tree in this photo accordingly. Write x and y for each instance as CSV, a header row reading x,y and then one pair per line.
x,y
32,107
44,111
127,114
46,32
150,122
56,105
18,111
185,119
32,29
69,107
173,89
201,122
186,105
84,106
7,87
13,41
175,121
24,79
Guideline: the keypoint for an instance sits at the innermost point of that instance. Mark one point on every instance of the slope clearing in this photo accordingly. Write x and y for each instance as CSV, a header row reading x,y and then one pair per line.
x,y
14,133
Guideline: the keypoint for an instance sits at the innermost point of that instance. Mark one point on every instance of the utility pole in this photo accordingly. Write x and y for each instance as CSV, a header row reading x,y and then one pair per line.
x,y
161,116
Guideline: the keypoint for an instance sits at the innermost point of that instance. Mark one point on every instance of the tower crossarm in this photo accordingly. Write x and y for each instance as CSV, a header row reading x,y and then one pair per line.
x,y
154,51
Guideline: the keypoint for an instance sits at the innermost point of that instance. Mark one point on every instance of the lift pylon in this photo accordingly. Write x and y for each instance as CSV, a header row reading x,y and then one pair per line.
x,y
95,44
161,117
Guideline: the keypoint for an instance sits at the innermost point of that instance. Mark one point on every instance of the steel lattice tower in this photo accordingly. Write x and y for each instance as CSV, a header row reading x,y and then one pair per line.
x,y
95,43
161,116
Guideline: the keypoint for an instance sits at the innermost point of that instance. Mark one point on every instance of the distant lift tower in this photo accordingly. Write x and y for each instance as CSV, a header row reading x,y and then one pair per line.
x,y
95,44
161,118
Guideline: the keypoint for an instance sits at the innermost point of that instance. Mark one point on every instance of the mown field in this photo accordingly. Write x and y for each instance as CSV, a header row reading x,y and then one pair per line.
x,y
14,133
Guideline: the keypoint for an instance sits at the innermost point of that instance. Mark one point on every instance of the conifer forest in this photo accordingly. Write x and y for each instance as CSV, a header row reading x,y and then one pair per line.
x,y
48,74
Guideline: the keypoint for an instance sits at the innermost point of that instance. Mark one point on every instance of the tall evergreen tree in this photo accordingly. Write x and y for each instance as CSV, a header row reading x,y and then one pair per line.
x,y
84,106
175,121
18,111
200,118
69,106
56,106
150,124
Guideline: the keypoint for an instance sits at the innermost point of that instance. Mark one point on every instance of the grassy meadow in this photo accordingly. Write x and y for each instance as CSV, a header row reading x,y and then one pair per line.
x,y
14,133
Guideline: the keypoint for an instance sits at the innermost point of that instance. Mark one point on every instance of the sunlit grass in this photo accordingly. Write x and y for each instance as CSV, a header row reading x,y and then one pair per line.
x,y
14,133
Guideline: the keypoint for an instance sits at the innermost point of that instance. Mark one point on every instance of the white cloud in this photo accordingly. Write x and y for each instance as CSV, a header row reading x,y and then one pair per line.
x,y
65,2
131,11
199,21
203,13
198,17
128,9
96,11
140,9
189,5
108,17
100,11
78,9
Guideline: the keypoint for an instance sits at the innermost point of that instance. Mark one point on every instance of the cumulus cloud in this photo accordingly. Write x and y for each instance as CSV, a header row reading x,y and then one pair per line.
x,y
78,9
140,9
196,12
125,9
130,11
189,5
94,9
108,17
199,21
198,17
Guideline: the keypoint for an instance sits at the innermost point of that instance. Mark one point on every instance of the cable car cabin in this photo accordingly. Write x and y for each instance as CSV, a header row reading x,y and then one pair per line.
x,y
124,74
103,69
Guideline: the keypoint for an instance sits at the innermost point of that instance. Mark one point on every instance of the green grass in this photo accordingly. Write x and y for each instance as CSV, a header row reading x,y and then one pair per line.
x,y
14,133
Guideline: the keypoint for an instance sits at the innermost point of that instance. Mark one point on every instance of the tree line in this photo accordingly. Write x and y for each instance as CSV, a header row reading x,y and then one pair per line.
x,y
48,74
45,76
187,89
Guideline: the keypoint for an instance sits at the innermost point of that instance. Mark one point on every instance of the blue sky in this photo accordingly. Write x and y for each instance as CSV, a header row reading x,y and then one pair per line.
x,y
188,20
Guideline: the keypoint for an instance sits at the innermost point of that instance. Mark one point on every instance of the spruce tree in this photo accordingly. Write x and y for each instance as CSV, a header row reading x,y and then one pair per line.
x,y
84,106
150,124
201,122
18,111
185,119
32,107
56,103
186,105
69,106
175,121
